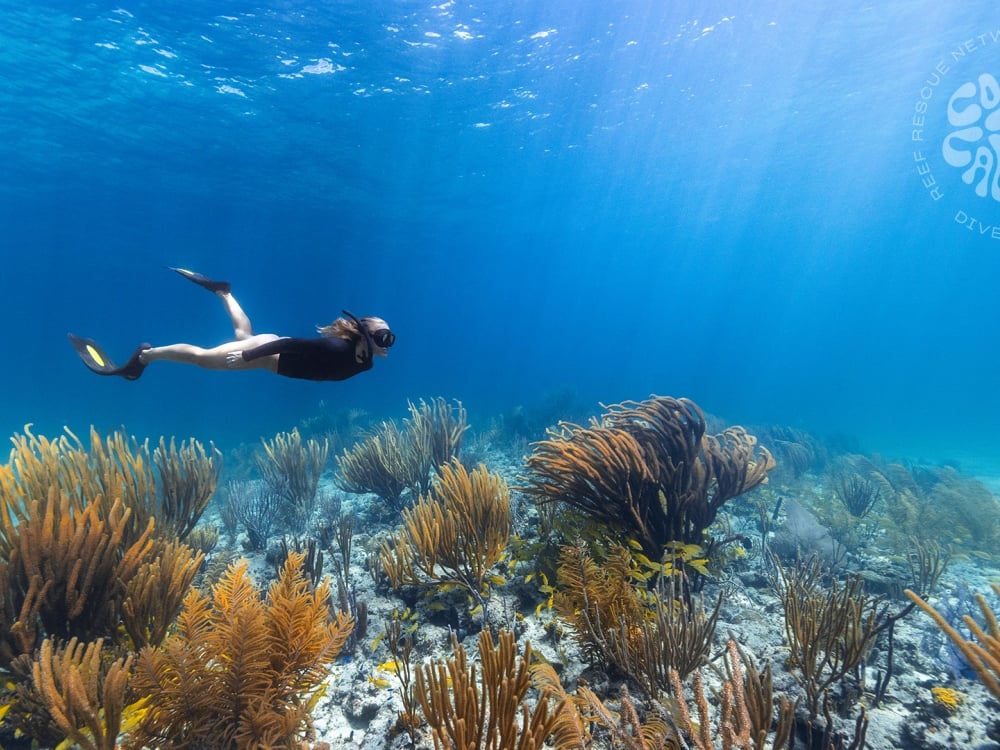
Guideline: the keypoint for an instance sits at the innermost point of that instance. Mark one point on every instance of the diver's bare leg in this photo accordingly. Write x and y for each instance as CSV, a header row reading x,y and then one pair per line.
x,y
215,358
241,323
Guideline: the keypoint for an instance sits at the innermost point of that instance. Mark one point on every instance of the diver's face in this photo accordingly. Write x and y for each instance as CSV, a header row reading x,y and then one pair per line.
x,y
382,337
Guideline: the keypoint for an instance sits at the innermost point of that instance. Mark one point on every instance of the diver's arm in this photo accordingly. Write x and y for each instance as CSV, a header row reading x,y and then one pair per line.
x,y
307,347
271,347
364,350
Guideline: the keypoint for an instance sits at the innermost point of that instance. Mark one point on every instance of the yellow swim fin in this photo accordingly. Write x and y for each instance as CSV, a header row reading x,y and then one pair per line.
x,y
95,359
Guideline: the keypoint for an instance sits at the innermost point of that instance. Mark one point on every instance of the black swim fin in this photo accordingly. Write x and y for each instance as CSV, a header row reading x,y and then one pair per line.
x,y
95,358
203,281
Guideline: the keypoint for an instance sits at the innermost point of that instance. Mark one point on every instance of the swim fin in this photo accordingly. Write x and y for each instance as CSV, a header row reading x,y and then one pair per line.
x,y
203,281
95,358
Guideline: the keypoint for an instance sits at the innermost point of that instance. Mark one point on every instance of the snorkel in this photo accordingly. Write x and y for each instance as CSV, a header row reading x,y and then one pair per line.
x,y
363,330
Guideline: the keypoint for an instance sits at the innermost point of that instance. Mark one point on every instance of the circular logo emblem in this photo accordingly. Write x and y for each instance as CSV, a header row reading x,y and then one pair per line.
x,y
973,143
956,136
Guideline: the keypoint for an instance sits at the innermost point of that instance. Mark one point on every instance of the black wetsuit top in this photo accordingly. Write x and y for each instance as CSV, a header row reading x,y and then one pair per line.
x,y
312,359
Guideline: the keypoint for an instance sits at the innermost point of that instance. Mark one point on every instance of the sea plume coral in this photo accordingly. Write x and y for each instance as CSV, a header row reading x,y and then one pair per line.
x,y
648,470
241,672
455,535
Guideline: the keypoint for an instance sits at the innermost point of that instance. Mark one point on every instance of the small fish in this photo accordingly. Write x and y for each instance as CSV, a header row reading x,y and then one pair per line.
x,y
700,564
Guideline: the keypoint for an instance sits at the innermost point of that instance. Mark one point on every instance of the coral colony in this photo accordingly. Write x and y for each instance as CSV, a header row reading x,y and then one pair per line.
x,y
637,581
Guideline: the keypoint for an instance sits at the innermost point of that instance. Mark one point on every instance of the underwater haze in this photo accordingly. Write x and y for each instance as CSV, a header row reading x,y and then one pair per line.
x,y
783,211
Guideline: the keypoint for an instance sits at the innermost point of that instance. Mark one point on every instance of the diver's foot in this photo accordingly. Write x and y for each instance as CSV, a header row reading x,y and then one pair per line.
x,y
203,281
94,357
133,369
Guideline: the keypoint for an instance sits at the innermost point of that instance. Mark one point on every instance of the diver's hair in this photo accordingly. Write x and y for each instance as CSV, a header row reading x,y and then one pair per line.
x,y
344,328
341,328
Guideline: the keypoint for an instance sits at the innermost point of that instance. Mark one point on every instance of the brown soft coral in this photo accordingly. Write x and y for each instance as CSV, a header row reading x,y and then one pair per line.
x,y
648,470
241,672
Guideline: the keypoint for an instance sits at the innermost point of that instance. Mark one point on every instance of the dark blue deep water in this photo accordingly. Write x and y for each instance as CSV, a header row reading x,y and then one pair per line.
x,y
707,199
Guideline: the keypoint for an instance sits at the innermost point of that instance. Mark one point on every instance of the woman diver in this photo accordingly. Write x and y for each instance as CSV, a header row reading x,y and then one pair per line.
x,y
346,347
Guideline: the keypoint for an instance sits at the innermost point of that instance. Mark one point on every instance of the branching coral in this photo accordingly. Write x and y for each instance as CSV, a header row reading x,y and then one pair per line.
x,y
795,450
79,573
625,730
930,502
466,713
858,494
439,428
453,536
292,467
385,463
645,634
595,598
253,504
240,673
82,697
983,653
746,718
64,574
830,630
114,468
746,712
155,594
648,470
69,554
189,476
392,460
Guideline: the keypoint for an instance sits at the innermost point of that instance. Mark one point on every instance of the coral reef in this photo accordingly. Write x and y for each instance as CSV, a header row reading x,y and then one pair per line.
x,y
983,653
239,672
386,463
439,428
114,468
454,536
928,502
78,693
392,459
588,605
291,468
648,470
796,452
81,582
830,629
466,713
645,633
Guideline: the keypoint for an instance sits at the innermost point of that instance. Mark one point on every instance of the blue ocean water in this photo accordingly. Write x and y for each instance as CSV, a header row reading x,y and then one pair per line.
x,y
743,205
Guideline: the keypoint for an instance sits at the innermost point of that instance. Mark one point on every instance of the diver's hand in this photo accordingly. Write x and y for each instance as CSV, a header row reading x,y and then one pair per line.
x,y
234,360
